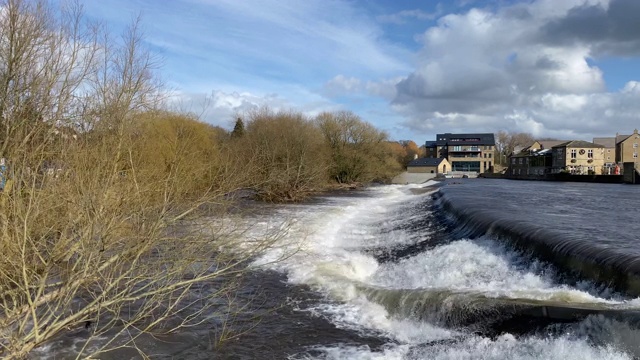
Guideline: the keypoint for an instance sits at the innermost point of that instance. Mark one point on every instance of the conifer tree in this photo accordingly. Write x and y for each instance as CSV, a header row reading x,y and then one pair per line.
x,y
238,129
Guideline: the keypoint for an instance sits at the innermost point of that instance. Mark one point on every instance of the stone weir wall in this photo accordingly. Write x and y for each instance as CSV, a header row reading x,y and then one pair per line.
x,y
609,179
631,175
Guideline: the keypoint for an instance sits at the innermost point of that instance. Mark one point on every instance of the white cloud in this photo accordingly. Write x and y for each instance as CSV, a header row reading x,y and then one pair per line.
x,y
487,70
302,36
342,85
221,108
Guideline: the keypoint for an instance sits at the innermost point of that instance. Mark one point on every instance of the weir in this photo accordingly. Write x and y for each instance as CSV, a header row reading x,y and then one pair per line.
x,y
481,312
610,266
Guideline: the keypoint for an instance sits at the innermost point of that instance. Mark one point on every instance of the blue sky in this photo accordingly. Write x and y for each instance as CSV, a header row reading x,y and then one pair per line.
x,y
556,68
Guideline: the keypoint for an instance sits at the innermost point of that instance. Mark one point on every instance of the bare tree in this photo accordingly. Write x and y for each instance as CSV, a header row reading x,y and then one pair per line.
x,y
284,153
99,217
507,142
359,151
44,61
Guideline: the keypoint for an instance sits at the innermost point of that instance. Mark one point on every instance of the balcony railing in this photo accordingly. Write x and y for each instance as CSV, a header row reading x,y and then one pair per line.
x,y
469,149
462,156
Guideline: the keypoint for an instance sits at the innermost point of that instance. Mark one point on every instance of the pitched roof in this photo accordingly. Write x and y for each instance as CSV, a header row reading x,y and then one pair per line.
x,y
527,153
608,142
465,139
548,144
545,144
620,138
579,143
426,162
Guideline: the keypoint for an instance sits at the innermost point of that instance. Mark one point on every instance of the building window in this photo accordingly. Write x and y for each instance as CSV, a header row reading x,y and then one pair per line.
x,y
457,148
513,161
635,155
590,154
635,145
574,153
521,161
608,150
608,157
490,155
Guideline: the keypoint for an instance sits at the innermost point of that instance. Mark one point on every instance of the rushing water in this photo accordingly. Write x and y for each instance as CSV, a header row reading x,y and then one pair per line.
x,y
475,269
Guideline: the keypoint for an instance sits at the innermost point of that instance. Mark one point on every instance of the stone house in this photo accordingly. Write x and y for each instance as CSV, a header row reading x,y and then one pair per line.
x,y
530,162
533,159
627,148
578,157
429,165
609,144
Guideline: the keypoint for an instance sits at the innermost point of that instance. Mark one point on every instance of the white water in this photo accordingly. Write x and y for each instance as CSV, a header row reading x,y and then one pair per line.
x,y
327,244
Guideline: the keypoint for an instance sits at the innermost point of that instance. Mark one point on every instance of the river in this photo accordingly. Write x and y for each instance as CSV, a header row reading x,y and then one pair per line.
x,y
466,269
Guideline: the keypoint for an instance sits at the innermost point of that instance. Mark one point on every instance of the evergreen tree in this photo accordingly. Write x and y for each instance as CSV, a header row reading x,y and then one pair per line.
x,y
238,129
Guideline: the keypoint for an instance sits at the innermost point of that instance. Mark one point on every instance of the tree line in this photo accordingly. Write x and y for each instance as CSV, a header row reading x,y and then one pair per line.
x,y
288,156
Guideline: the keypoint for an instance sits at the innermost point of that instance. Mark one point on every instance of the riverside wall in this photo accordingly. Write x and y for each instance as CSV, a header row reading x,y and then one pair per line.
x,y
608,179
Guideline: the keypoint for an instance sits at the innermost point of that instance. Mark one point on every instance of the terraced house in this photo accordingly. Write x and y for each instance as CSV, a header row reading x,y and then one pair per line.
x,y
465,152
627,148
534,159
578,157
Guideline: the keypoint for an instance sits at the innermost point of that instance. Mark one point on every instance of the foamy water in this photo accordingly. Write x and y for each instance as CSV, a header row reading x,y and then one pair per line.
x,y
328,249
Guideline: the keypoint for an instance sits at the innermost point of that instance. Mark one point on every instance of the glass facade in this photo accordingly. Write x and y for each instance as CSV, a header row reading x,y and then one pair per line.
x,y
466,166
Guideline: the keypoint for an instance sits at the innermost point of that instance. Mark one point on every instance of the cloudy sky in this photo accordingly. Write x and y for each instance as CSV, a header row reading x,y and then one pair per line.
x,y
568,69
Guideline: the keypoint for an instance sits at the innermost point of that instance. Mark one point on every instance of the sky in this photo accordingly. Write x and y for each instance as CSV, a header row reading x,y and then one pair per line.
x,y
564,69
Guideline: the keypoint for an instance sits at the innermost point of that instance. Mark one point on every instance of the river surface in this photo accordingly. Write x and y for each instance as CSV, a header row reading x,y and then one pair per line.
x,y
413,272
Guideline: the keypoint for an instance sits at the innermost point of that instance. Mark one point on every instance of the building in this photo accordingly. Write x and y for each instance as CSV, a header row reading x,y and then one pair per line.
x,y
609,144
429,165
535,161
464,152
627,148
578,157
431,149
543,145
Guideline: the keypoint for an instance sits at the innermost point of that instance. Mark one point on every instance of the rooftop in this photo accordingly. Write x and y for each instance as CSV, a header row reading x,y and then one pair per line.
x,y
465,139
579,143
608,142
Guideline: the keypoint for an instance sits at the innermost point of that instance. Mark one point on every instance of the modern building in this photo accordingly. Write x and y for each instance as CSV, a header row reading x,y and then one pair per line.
x,y
464,152
578,157
429,165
